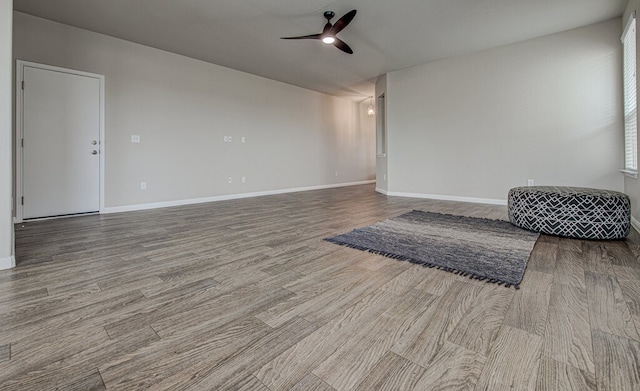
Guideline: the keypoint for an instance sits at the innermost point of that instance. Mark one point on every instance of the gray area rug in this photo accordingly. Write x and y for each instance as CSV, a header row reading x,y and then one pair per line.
x,y
484,249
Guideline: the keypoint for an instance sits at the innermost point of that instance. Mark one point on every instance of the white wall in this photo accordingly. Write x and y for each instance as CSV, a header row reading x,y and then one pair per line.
x,y
548,109
632,185
182,108
6,114
365,133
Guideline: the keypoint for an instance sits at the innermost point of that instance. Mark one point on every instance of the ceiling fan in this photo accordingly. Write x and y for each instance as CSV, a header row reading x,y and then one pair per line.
x,y
328,34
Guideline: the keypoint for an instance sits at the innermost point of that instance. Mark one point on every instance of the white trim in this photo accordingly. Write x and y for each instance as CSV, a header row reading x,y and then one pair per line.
x,y
166,204
20,65
474,200
61,217
383,191
18,142
635,223
7,263
628,25
630,173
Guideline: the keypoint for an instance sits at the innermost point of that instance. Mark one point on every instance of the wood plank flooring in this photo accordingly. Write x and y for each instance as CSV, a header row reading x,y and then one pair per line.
x,y
245,295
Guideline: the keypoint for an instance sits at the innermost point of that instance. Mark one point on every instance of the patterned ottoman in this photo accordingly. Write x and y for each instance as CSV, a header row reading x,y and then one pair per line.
x,y
571,211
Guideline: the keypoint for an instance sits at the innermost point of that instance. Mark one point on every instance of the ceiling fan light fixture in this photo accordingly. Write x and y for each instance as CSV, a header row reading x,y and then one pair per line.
x,y
329,39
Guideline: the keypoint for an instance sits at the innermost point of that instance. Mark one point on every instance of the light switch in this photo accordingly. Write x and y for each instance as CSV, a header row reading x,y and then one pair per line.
x,y
243,139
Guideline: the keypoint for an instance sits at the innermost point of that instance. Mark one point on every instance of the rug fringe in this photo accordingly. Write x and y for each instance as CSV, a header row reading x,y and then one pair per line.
x,y
427,264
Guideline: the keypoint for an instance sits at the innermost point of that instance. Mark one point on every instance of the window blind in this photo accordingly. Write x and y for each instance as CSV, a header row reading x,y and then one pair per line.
x,y
630,96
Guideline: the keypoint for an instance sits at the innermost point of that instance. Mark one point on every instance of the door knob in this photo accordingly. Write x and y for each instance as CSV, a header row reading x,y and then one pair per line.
x,y
94,152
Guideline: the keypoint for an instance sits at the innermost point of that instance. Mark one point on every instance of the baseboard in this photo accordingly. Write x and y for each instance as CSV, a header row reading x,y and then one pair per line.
x,y
383,191
449,198
166,204
7,263
635,224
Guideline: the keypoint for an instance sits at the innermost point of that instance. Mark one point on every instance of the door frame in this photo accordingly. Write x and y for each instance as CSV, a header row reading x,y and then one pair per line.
x,y
20,67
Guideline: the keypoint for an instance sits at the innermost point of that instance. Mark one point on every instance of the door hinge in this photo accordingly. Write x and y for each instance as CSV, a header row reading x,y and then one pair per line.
x,y
23,84
22,142
21,200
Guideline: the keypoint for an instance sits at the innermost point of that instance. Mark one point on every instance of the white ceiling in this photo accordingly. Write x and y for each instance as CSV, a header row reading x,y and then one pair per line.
x,y
385,35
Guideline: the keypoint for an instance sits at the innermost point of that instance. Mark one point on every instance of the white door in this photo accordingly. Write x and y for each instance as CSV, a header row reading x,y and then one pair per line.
x,y
61,143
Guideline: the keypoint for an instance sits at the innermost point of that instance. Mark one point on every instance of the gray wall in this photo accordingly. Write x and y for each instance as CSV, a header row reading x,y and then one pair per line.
x,y
548,109
632,185
6,114
182,108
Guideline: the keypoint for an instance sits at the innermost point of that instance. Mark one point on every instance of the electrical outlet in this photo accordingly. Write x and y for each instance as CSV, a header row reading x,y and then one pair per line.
x,y
244,179
135,138
530,182
229,180
243,139
229,139
143,185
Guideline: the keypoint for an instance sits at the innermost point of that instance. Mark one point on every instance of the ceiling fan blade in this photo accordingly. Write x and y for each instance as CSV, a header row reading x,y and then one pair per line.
x,y
312,36
327,27
340,44
343,22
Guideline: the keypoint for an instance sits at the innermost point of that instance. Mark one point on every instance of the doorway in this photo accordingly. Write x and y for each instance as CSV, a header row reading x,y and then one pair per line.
x,y
59,142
